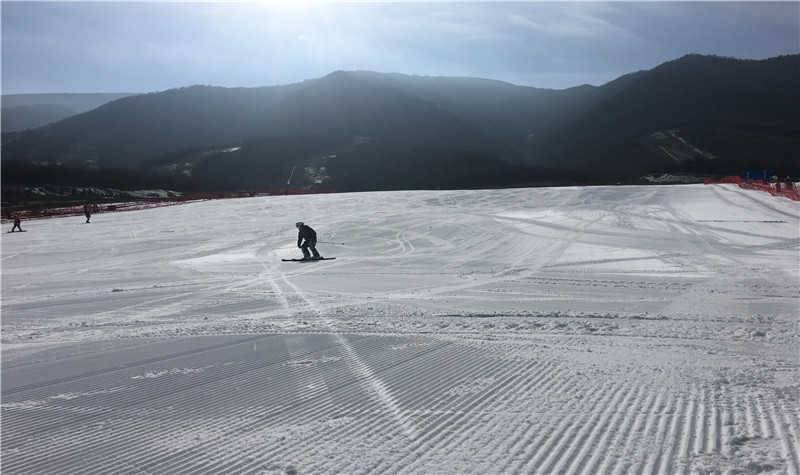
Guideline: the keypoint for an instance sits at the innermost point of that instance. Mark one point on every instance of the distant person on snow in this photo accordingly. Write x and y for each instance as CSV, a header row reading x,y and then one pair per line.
x,y
307,239
87,211
17,223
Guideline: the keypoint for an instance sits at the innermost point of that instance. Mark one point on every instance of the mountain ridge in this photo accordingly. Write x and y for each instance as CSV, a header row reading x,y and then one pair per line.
x,y
27,111
422,129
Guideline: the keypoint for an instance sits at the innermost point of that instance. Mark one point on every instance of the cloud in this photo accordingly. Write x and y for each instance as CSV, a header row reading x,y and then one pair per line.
x,y
566,24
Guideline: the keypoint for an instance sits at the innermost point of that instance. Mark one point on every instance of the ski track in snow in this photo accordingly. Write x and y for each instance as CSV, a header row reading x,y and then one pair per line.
x,y
556,330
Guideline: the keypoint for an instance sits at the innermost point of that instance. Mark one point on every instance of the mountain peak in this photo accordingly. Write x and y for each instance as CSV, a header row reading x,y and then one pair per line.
x,y
339,74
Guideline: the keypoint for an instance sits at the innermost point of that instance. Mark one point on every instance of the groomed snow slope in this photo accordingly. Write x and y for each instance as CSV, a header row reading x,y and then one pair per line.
x,y
569,330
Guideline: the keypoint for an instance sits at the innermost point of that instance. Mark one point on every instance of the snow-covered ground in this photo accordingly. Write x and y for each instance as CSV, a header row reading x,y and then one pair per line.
x,y
571,330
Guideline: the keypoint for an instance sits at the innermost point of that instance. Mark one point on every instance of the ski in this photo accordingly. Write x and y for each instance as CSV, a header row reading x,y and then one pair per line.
x,y
309,260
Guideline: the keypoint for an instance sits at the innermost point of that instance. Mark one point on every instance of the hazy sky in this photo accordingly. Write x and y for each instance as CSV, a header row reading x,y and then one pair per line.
x,y
138,47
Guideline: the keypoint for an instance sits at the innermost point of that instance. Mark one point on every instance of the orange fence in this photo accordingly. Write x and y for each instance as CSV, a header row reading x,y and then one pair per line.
x,y
786,189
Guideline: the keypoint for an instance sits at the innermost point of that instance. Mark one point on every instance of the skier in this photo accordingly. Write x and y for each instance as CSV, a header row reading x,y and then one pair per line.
x,y
87,211
17,223
307,239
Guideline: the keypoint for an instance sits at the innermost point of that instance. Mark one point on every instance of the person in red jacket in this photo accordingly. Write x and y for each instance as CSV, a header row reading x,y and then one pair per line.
x,y
17,223
87,211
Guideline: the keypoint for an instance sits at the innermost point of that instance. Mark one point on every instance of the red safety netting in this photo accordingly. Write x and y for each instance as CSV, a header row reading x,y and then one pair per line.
x,y
786,189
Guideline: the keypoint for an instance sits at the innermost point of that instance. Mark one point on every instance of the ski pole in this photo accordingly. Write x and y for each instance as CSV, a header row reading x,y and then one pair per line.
x,y
328,242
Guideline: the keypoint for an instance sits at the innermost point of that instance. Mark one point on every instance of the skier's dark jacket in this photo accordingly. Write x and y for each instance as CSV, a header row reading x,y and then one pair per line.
x,y
305,232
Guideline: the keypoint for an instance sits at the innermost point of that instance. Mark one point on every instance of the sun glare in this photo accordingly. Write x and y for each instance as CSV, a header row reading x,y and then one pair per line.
x,y
288,5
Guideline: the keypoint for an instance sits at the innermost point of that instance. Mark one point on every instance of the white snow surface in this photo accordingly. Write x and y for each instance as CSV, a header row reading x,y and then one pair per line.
x,y
553,330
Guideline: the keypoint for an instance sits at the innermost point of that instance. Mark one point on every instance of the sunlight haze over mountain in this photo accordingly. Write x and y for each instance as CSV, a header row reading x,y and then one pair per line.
x,y
140,47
